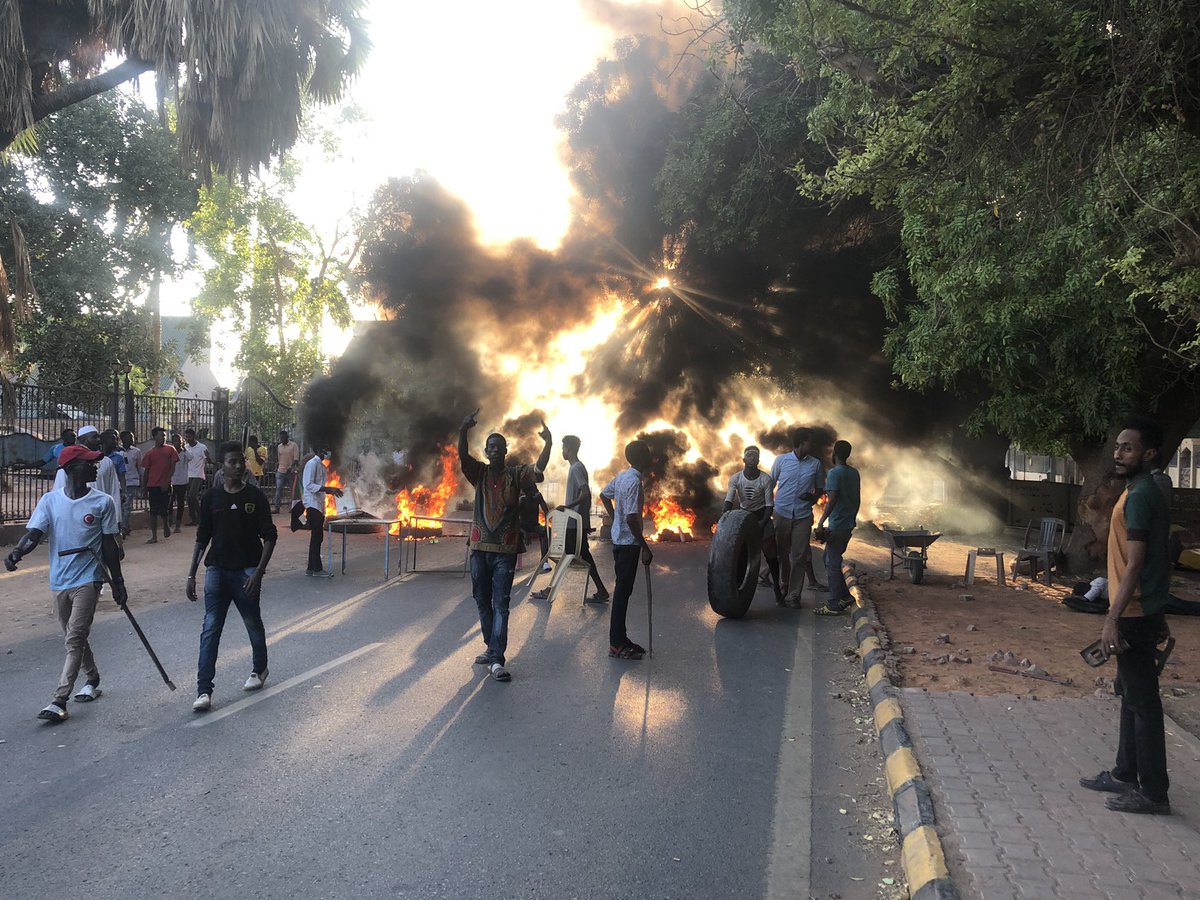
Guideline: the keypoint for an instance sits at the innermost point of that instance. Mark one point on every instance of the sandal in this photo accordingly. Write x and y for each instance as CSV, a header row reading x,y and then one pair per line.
x,y
628,650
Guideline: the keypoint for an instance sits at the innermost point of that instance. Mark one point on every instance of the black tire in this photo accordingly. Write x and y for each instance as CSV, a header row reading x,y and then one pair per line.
x,y
916,569
733,561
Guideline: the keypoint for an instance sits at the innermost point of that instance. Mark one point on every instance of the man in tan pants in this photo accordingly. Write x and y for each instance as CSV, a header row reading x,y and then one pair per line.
x,y
75,516
799,479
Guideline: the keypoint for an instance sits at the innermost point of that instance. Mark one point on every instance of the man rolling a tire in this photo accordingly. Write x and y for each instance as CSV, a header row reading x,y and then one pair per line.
x,y
752,489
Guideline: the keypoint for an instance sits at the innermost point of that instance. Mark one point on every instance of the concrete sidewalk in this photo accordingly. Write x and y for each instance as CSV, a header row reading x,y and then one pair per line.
x,y
1015,822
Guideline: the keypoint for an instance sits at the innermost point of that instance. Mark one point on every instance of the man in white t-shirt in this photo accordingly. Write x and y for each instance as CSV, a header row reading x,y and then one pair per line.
x,y
753,490
315,489
107,479
75,517
197,458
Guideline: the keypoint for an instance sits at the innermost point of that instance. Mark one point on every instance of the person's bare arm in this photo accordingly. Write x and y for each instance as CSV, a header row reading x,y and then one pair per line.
x,y
544,459
27,544
110,551
466,462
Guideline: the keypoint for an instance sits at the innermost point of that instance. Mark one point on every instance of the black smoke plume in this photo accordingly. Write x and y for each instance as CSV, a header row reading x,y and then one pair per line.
x,y
795,309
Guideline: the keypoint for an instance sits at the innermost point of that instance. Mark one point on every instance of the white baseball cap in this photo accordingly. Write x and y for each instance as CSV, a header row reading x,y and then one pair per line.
x,y
87,429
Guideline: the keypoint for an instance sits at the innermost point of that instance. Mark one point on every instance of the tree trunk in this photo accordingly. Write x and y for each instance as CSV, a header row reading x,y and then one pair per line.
x,y
76,92
1177,411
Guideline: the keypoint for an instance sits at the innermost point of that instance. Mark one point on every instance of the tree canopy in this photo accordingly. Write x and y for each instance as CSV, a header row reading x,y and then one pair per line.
x,y
241,71
95,209
1039,162
271,277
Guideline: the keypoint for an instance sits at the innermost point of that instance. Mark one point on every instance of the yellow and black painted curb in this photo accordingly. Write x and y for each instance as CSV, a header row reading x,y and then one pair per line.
x,y
912,803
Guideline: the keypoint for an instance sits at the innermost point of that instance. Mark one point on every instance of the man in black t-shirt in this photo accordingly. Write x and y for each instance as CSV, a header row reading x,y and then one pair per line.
x,y
236,519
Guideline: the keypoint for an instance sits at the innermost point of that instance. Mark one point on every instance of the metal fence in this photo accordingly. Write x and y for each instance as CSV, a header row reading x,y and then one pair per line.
x,y
32,418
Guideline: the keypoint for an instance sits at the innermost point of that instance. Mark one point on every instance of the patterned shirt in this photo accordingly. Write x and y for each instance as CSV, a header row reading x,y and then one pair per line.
x,y
496,523
750,493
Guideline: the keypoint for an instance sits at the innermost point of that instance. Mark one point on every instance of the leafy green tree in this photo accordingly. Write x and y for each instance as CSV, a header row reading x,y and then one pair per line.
x,y
1042,160
94,210
242,70
271,277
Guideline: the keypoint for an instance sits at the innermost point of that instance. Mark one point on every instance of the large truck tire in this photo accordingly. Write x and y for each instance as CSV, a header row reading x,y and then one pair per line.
x,y
733,561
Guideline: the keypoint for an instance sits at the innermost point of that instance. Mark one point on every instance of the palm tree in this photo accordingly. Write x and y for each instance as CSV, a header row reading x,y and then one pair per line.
x,y
241,70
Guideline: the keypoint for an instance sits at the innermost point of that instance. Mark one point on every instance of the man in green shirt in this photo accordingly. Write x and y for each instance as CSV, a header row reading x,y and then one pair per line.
x,y
1139,580
843,490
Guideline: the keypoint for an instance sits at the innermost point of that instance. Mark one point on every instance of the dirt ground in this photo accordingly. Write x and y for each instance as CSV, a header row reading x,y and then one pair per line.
x,y
1025,618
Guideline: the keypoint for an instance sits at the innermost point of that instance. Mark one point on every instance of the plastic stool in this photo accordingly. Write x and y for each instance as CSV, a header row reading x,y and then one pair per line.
x,y
998,555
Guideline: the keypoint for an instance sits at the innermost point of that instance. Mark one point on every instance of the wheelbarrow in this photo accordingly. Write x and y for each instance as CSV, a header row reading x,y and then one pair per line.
x,y
911,550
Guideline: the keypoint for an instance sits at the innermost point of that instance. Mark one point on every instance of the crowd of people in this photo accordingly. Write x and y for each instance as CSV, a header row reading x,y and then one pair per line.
x,y
99,475
87,511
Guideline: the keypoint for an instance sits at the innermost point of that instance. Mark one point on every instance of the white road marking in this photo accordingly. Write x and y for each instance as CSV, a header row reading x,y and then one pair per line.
x,y
789,863
265,693
316,616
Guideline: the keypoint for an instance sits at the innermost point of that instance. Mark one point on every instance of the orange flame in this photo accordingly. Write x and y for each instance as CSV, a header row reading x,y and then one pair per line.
x,y
332,479
668,514
414,504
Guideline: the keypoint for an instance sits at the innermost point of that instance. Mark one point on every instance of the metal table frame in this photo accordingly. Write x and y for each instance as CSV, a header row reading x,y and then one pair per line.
x,y
331,524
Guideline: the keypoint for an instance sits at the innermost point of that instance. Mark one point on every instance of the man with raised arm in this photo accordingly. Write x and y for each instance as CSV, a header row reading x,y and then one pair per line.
x,y
623,499
495,527
579,499
76,517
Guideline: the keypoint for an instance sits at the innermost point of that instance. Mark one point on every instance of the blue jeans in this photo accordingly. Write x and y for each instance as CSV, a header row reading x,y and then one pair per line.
x,y
491,582
835,547
222,587
283,482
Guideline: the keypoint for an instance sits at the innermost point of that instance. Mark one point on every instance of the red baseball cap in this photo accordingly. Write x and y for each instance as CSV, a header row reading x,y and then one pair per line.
x,y
69,454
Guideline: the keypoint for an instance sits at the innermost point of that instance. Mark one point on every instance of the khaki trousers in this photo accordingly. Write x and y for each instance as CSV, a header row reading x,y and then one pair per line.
x,y
75,609
793,537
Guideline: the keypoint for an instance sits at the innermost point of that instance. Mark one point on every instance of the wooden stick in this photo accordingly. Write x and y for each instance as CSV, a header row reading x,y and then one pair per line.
x,y
1007,671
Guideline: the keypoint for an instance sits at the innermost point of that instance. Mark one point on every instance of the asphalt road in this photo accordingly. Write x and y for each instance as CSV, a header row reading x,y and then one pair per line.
x,y
379,762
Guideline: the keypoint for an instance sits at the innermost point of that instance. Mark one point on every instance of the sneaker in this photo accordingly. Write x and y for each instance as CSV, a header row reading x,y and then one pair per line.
x,y
315,573
500,673
203,703
255,681
1135,801
543,594
546,567
54,713
88,693
483,659
1107,782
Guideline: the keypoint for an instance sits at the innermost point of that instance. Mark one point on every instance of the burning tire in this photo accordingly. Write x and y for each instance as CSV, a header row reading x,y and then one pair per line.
x,y
733,563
